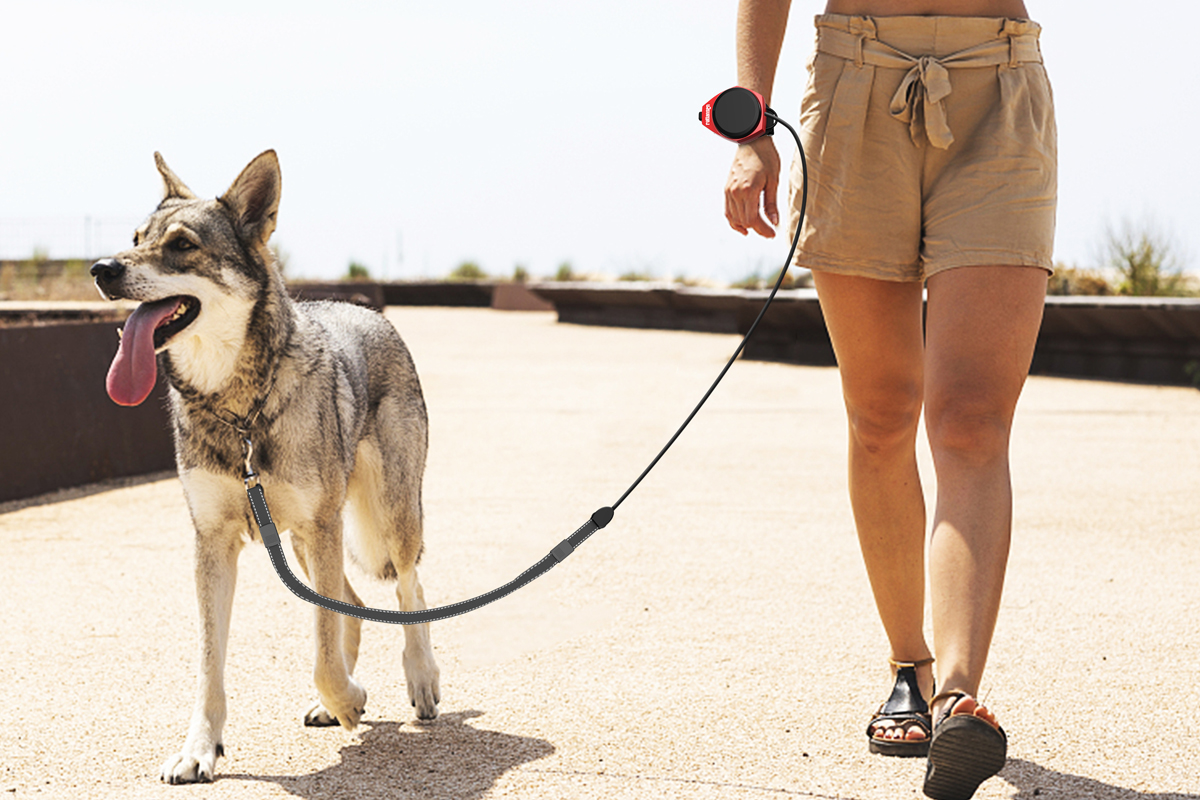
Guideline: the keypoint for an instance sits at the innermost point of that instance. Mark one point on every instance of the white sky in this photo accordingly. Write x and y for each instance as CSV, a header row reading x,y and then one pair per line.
x,y
414,136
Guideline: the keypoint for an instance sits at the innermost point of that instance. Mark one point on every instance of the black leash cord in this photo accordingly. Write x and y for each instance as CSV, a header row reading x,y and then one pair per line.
x,y
270,536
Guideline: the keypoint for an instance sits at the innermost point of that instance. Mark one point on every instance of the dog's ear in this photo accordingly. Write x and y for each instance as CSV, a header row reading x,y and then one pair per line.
x,y
172,186
254,198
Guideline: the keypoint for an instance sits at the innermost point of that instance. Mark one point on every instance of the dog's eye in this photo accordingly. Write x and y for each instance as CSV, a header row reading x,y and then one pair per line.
x,y
182,245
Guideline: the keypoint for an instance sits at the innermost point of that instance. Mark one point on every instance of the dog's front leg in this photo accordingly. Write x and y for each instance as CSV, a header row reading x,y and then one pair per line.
x,y
342,698
216,575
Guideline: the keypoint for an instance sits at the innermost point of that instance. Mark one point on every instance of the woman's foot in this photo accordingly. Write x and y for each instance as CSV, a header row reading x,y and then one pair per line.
x,y
967,748
902,726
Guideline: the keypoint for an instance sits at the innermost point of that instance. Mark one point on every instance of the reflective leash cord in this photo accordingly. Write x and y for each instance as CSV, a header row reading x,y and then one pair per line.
x,y
270,536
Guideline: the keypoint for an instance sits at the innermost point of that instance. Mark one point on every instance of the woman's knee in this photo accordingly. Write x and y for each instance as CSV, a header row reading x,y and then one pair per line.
x,y
972,429
883,420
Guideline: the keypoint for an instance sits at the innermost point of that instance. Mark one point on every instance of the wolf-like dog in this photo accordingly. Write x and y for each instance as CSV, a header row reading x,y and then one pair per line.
x,y
329,397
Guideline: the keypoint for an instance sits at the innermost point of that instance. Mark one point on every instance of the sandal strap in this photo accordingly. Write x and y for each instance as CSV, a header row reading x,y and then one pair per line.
x,y
957,694
947,712
905,719
901,716
906,694
954,695
900,664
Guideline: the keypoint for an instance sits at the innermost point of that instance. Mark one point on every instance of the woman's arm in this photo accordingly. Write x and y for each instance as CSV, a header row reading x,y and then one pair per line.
x,y
760,28
755,171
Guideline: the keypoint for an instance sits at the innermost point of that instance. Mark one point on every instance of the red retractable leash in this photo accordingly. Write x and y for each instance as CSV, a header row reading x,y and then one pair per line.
x,y
737,114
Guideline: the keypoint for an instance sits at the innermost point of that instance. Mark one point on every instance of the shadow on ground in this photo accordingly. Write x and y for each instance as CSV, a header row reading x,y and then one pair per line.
x,y
87,490
442,759
1035,782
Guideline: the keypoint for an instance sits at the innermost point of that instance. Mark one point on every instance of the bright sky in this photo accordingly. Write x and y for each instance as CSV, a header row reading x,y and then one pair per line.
x,y
414,136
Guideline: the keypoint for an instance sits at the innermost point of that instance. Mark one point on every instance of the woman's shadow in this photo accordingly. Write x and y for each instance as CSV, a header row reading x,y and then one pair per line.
x,y
1035,782
393,760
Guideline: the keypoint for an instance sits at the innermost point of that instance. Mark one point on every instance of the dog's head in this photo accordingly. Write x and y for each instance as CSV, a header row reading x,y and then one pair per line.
x,y
198,267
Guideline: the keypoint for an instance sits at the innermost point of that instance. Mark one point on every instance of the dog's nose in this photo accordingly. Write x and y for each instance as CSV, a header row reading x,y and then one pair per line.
x,y
107,269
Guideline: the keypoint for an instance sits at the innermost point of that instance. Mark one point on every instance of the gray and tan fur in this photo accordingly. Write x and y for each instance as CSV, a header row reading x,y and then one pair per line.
x,y
344,426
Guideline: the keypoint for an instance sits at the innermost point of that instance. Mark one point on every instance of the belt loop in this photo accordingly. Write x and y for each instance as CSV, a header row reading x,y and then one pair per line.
x,y
1012,29
862,28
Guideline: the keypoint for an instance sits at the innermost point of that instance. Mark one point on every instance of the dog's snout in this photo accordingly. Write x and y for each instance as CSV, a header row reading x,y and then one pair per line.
x,y
107,269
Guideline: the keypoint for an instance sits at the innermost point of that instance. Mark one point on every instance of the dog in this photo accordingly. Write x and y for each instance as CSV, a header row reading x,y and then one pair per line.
x,y
328,395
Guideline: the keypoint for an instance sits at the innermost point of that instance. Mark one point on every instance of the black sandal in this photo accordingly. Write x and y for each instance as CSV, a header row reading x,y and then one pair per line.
x,y
965,751
905,709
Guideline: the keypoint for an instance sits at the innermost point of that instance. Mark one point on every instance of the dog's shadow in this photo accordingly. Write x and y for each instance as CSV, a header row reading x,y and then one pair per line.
x,y
394,760
1035,782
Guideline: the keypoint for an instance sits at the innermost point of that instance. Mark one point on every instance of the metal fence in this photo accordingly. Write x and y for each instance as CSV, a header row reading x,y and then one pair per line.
x,y
65,237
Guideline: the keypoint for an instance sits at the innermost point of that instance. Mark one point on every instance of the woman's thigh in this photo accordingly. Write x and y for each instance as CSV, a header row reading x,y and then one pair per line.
x,y
875,326
981,327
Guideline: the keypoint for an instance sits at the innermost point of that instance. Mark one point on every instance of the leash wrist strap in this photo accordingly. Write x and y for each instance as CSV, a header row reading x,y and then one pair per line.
x,y
270,536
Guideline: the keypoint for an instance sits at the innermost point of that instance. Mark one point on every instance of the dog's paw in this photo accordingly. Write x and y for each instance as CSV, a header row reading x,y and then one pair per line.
x,y
195,764
424,691
318,717
345,710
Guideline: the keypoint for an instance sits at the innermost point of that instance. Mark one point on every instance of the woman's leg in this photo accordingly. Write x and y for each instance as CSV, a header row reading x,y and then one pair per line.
x,y
981,327
875,326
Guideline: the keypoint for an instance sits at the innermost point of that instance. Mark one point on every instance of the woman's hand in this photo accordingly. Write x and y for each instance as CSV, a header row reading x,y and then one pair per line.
x,y
755,172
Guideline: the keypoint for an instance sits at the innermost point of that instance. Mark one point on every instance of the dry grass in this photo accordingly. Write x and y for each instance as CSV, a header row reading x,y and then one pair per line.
x,y
38,279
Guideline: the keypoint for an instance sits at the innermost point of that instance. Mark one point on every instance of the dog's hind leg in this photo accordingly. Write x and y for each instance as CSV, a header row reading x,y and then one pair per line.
x,y
385,494
216,575
341,697
420,670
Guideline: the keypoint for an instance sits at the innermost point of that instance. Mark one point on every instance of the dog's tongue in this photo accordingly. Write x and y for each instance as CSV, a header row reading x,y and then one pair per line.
x,y
133,372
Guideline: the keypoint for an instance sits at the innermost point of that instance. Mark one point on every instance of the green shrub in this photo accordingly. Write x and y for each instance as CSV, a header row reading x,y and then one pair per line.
x,y
468,271
1072,280
1145,262
756,281
357,272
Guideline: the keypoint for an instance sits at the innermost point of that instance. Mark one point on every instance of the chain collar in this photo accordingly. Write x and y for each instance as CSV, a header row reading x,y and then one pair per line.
x,y
243,425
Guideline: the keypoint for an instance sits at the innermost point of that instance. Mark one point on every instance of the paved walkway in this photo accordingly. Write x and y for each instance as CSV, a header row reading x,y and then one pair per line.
x,y
717,640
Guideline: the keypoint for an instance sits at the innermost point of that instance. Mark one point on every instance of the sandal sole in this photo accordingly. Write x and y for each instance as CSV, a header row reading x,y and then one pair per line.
x,y
964,753
901,749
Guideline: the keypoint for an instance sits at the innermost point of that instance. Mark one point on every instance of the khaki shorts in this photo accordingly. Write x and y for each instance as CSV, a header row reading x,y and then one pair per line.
x,y
931,145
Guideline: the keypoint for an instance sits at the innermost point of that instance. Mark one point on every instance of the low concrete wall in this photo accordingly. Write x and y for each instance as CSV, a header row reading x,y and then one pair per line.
x,y
1143,339
58,427
478,294
363,293
643,305
502,296
439,293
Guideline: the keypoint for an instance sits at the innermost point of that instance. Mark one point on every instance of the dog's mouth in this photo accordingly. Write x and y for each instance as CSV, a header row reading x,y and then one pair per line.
x,y
149,328
187,308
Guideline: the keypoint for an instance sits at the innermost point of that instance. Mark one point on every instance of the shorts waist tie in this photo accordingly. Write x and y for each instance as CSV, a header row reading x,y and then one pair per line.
x,y
918,100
